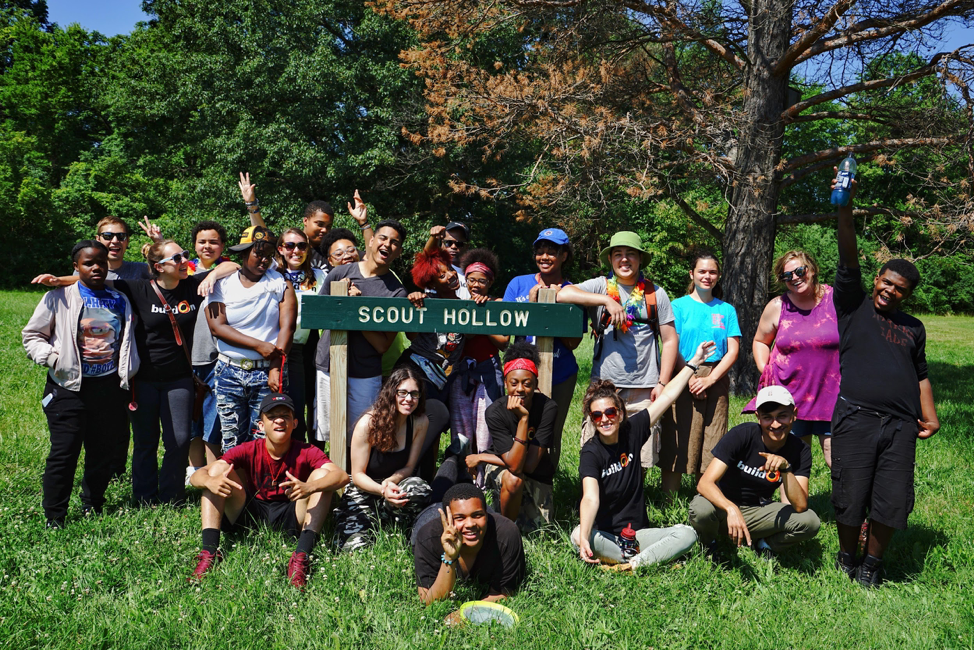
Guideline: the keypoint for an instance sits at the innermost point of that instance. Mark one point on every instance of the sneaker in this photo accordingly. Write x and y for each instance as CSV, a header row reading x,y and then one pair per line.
x,y
189,473
845,563
869,574
55,524
761,549
297,569
90,511
205,561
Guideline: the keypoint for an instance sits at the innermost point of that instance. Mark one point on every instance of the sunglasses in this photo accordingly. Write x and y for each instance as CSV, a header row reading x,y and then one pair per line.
x,y
797,273
612,413
453,243
176,258
403,394
108,236
291,245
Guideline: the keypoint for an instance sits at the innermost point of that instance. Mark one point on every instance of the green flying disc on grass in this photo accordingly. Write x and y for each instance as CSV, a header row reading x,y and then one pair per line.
x,y
481,611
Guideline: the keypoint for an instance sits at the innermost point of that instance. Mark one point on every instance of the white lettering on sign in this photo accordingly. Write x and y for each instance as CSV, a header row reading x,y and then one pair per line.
x,y
378,314
490,322
520,319
407,313
505,318
393,315
449,316
363,314
464,317
474,321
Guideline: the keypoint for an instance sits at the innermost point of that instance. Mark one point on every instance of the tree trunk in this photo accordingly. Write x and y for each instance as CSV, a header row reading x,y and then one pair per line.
x,y
753,198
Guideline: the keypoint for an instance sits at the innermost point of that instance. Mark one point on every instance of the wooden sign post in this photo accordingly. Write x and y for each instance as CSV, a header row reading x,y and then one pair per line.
x,y
341,313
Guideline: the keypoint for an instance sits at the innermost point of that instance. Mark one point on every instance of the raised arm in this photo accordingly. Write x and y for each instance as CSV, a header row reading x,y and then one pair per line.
x,y
247,191
848,248
675,387
360,212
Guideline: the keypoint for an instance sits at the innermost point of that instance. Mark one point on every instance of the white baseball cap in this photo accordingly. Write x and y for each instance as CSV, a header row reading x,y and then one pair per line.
x,y
774,394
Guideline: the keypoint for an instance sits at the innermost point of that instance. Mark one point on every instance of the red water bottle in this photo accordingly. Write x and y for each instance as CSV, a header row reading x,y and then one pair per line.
x,y
628,542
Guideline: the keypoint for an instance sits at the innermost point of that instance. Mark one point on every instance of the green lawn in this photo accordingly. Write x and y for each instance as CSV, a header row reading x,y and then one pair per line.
x,y
119,581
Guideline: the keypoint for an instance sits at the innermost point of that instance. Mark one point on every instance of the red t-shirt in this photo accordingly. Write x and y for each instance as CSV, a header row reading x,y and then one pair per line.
x,y
265,475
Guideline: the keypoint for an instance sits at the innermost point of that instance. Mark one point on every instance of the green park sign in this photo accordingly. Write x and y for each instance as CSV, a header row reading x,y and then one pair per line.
x,y
359,313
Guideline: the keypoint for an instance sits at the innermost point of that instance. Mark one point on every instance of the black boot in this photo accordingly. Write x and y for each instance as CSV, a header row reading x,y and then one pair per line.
x,y
870,572
846,563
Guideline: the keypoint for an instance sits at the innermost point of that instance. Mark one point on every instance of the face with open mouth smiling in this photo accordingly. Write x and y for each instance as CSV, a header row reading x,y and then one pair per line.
x,y
385,246
797,277
889,290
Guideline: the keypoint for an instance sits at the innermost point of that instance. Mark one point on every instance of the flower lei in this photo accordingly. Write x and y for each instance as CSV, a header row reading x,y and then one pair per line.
x,y
635,297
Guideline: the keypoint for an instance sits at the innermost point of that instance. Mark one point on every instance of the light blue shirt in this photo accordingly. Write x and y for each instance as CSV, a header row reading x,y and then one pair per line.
x,y
697,322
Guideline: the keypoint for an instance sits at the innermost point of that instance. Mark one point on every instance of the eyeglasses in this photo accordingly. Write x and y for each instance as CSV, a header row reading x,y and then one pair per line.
x,y
108,236
176,258
339,253
797,273
453,243
412,394
612,413
291,245
477,282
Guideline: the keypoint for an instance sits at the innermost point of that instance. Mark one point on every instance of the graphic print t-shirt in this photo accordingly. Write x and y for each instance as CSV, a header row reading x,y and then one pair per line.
x,y
745,483
264,474
620,475
100,331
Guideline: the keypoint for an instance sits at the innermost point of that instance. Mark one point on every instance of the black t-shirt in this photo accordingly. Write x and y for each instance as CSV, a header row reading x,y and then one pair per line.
x,y
162,359
502,425
499,564
744,483
882,356
620,475
363,360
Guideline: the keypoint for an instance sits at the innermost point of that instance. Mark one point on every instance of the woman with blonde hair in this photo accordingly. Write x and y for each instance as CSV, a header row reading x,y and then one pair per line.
x,y
797,346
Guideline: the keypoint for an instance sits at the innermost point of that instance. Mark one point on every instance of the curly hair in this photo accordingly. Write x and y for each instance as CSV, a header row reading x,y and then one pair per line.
x,y
482,255
208,224
905,268
805,259
336,234
602,389
706,255
382,426
426,268
153,253
522,350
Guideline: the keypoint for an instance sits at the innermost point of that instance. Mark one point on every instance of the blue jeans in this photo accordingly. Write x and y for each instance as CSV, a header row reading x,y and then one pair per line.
x,y
208,426
238,396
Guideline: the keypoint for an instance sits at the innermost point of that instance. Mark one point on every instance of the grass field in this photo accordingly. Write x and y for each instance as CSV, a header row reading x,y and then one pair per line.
x,y
119,581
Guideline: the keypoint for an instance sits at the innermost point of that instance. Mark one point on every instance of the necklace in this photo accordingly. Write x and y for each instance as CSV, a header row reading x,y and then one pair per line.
x,y
635,297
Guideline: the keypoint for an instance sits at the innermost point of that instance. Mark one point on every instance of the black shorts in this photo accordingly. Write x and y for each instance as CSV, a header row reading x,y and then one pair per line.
x,y
873,462
279,515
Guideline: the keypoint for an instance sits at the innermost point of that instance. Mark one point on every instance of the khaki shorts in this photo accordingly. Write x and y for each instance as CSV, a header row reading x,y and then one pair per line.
x,y
635,400
537,504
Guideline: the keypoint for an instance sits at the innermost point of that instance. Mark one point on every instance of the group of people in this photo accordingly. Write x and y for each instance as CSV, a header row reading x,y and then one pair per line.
x,y
241,397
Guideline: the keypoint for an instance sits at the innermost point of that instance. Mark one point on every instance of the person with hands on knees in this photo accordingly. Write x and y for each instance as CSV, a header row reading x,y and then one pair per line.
x,y
885,404
750,463
467,543
613,498
84,334
518,468
639,312
276,481
252,314
385,450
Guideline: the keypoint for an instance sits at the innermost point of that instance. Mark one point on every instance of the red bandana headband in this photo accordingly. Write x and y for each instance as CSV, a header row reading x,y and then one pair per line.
x,y
479,267
520,364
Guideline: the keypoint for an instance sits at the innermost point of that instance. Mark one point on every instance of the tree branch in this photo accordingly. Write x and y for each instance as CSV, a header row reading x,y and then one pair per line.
x,y
830,154
695,216
838,115
790,219
787,60
856,33
794,111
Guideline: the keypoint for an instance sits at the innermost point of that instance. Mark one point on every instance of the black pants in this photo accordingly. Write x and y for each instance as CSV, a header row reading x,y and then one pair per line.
x,y
171,403
94,418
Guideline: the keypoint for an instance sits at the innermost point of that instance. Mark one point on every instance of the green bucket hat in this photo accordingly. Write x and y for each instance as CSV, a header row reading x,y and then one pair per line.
x,y
629,239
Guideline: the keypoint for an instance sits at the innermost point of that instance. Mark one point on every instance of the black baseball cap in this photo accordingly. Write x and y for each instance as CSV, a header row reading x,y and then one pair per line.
x,y
456,225
275,399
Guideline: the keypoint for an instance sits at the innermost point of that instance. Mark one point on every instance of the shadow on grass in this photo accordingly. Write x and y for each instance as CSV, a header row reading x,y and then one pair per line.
x,y
953,390
908,551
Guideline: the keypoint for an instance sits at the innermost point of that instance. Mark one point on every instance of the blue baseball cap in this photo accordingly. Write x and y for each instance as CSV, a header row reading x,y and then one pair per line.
x,y
554,235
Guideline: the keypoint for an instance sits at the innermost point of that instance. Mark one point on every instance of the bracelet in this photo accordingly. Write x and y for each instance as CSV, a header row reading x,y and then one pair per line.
x,y
251,204
660,383
523,442
693,367
446,561
366,226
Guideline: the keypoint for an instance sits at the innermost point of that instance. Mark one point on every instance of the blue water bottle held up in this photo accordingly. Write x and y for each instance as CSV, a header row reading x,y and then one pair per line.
x,y
843,182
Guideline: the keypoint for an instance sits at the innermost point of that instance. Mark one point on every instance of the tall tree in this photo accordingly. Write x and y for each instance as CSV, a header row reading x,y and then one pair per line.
x,y
647,99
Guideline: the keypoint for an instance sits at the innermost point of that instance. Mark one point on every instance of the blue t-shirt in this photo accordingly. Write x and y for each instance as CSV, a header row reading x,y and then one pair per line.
x,y
564,364
100,331
697,322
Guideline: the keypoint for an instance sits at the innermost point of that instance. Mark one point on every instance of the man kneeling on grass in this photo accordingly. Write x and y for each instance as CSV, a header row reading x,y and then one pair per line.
x,y
283,483
466,542
750,462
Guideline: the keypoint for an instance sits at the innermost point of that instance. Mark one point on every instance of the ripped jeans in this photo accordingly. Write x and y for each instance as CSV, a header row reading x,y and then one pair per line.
x,y
238,396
